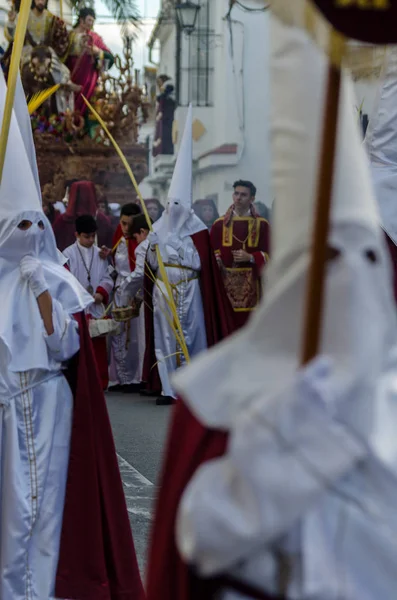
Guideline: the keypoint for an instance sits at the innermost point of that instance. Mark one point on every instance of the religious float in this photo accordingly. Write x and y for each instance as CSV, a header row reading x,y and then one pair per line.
x,y
70,142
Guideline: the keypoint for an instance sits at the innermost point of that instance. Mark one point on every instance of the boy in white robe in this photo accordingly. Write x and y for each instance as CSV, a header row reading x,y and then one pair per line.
x,y
132,286
92,272
124,365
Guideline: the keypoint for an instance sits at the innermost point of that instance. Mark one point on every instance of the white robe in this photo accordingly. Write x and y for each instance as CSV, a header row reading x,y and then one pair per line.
x,y
185,283
99,272
36,410
134,288
124,368
299,479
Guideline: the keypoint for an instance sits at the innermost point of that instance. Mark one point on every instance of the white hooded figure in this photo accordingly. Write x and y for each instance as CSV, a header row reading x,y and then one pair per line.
x,y
37,334
172,232
302,505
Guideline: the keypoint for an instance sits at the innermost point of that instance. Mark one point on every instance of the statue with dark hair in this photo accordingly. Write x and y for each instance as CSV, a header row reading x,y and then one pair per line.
x,y
45,48
88,56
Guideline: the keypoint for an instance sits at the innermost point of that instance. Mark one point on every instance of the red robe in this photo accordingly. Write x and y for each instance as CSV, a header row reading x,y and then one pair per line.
x,y
242,281
218,313
393,255
82,201
97,559
190,444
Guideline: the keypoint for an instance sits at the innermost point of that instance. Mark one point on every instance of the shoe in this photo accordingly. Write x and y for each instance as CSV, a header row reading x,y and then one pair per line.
x,y
115,388
165,401
131,388
148,393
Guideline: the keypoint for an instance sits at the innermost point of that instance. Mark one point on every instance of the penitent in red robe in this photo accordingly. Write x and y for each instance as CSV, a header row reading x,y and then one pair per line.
x,y
218,313
242,281
97,559
82,201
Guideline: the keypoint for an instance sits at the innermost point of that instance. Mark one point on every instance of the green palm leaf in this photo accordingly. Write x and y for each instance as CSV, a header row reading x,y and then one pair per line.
x,y
123,11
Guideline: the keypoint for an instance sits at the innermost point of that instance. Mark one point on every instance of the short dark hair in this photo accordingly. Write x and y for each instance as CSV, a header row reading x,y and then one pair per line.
x,y
130,210
140,222
246,184
87,12
86,224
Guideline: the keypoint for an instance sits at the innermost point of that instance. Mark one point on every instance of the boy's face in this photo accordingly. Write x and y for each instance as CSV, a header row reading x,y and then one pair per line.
x,y
141,236
125,223
87,240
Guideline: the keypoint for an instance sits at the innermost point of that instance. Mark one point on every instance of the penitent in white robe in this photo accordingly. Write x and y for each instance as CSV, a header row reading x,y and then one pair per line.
x,y
300,479
99,272
124,368
183,271
36,410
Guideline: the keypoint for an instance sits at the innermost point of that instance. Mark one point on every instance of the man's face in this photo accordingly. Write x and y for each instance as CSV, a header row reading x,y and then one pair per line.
x,y
125,223
141,236
40,5
87,240
102,207
242,198
88,23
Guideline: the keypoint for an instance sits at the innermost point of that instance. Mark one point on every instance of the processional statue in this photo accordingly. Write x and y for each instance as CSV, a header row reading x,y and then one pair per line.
x,y
53,55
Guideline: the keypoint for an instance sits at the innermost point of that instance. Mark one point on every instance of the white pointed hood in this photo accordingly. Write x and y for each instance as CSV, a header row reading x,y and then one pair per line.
x,y
179,220
381,141
22,345
262,358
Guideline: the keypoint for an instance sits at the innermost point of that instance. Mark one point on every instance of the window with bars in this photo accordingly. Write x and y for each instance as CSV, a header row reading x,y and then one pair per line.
x,y
196,62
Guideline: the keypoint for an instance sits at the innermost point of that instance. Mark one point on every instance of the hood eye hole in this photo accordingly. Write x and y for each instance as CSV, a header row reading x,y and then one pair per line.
x,y
371,256
41,225
25,225
333,254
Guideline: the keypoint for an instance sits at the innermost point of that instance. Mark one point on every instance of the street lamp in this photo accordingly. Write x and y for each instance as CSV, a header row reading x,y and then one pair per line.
x,y
187,13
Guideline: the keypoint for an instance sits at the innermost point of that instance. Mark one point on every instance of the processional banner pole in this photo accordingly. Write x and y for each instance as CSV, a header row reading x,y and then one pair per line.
x,y
16,54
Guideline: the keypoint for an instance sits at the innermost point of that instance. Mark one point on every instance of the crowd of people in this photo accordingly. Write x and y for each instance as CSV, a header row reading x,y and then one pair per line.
x,y
213,267
279,479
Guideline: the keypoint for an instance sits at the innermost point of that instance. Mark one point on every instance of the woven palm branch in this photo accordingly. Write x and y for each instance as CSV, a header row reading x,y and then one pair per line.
x,y
40,97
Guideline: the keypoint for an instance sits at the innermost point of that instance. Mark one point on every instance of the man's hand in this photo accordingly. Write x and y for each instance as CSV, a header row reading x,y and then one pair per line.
x,y
98,298
241,256
104,252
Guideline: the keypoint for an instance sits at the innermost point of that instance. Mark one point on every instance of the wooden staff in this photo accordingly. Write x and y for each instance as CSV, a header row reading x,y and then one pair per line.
x,y
16,54
317,271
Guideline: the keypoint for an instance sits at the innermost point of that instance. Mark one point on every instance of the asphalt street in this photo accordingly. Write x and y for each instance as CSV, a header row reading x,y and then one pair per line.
x,y
140,430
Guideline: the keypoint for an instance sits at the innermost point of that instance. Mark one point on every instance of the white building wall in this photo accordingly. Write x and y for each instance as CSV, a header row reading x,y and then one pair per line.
x,y
240,115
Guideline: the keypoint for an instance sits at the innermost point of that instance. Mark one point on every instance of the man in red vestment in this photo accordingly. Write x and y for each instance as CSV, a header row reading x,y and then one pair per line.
x,y
241,240
82,201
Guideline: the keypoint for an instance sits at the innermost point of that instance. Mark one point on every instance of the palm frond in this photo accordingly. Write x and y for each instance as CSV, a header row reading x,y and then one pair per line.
x,y
123,11
176,326
40,97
